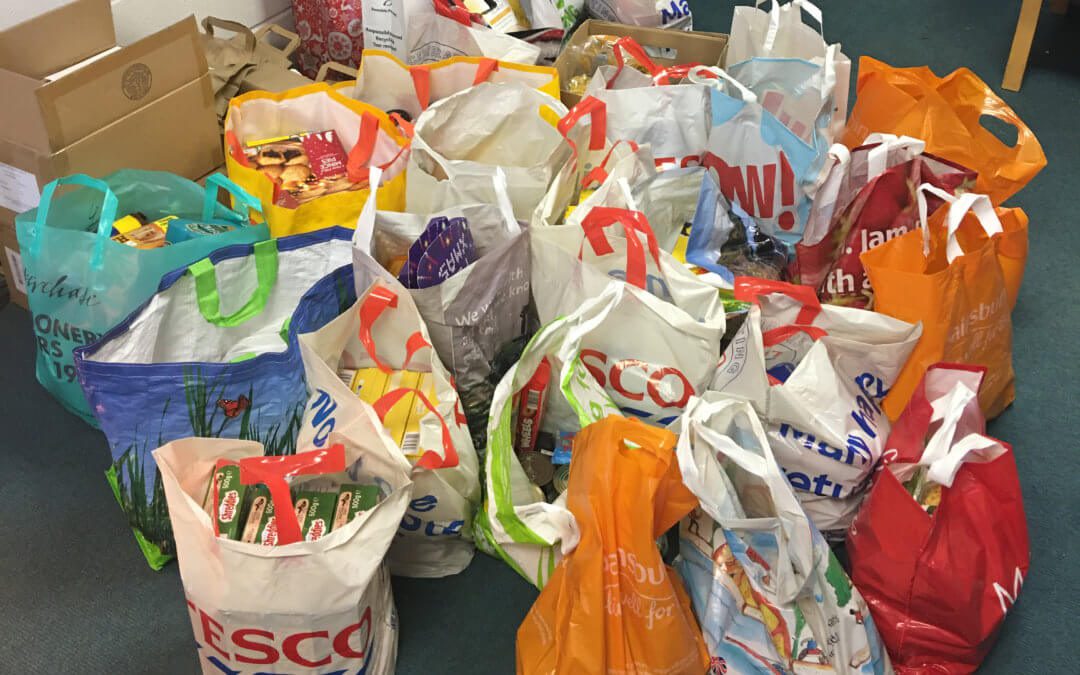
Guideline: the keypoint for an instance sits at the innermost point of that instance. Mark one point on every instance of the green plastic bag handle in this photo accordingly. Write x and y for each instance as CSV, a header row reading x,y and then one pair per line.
x,y
241,198
209,299
109,204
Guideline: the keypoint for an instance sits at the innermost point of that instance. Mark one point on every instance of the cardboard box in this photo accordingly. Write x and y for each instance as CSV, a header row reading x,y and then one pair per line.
x,y
44,43
11,264
688,46
176,133
49,116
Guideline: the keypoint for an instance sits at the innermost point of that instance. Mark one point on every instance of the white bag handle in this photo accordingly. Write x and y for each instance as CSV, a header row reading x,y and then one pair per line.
x,y
978,204
878,155
970,448
695,76
774,19
365,222
948,409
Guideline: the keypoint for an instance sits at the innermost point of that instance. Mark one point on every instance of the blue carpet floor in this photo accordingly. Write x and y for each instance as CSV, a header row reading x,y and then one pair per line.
x,y
77,596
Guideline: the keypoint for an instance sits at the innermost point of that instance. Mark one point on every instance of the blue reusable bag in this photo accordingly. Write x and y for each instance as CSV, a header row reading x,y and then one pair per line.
x,y
214,354
80,283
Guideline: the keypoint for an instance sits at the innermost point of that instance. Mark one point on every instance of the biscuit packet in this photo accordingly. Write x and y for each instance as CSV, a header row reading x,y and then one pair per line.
x,y
305,166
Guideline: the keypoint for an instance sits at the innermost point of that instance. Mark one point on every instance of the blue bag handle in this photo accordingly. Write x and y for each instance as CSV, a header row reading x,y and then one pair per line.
x,y
240,196
109,204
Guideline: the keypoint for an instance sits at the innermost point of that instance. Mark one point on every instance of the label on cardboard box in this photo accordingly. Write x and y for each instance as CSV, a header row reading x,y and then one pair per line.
x,y
18,277
18,189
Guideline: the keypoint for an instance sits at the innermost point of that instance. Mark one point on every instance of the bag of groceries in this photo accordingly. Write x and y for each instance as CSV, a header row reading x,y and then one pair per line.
x,y
217,343
762,166
463,139
817,374
946,113
426,31
671,14
940,548
781,33
390,85
282,557
378,351
477,309
959,274
865,201
578,369
613,606
770,595
92,255
305,154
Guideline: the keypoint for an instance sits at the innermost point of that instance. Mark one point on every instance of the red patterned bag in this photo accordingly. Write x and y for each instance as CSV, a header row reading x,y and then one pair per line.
x,y
329,30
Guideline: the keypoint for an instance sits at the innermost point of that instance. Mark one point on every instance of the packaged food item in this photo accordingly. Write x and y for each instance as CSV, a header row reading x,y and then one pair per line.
x,y
443,249
182,229
305,165
410,442
228,496
138,231
315,512
530,412
260,514
596,51
367,383
354,498
926,492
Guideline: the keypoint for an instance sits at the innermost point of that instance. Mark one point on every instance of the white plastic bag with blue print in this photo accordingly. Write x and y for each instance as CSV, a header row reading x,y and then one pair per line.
x,y
760,164
671,14
770,596
799,93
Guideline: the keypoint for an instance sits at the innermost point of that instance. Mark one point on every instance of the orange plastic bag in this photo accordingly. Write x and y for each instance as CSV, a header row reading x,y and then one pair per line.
x,y
613,606
945,112
959,274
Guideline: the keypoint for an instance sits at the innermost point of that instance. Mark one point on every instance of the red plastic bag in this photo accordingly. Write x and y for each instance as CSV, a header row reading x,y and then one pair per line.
x,y
329,30
940,583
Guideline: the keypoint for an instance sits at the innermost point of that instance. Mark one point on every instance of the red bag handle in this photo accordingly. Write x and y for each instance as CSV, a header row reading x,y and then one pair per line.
x,y
778,335
404,125
272,472
596,111
362,152
633,223
630,46
484,69
378,300
599,173
749,289
430,459
453,9
680,71
421,78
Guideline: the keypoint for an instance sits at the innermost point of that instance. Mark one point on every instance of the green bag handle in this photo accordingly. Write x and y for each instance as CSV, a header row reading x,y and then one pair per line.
x,y
109,205
241,198
208,296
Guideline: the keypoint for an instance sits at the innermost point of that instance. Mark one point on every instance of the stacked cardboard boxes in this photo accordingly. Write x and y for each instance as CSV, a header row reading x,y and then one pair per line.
x,y
76,102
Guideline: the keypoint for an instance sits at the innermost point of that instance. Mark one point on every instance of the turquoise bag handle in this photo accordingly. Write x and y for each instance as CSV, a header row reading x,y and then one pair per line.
x,y
208,295
240,197
109,205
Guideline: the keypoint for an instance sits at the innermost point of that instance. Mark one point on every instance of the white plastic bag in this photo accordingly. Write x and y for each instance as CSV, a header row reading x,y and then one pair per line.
x,y
463,139
384,330
425,31
764,584
781,33
304,607
673,14
817,375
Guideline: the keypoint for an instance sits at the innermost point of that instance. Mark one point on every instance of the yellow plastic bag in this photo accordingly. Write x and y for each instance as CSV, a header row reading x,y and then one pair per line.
x,y
368,136
945,112
613,606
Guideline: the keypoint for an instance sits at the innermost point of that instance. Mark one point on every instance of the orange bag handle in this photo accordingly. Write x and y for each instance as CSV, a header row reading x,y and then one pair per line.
x,y
750,289
430,459
272,472
421,78
378,300
455,10
633,223
364,149
484,69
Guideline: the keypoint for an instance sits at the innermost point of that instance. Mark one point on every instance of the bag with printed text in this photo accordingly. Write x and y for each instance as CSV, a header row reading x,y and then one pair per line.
x,y
461,141
781,34
392,86
673,14
613,606
83,275
817,374
306,154
218,343
959,274
576,370
480,317
426,31
290,602
379,351
867,198
940,547
770,595
762,166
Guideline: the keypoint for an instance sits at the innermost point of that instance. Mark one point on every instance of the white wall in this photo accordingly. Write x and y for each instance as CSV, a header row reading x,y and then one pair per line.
x,y
135,19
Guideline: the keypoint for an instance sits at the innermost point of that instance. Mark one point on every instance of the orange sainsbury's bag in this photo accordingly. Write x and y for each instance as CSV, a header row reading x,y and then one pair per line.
x,y
959,274
945,112
612,606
